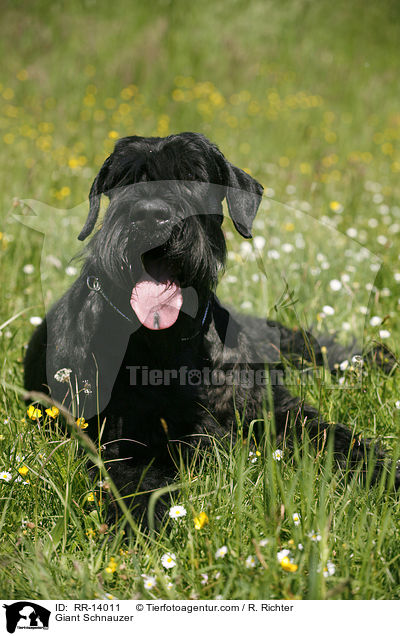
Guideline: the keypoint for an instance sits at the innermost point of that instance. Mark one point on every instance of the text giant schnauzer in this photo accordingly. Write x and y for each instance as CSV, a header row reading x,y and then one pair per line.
x,y
141,338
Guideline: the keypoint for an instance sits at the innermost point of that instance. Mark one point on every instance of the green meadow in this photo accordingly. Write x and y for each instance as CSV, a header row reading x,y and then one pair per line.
x,y
304,96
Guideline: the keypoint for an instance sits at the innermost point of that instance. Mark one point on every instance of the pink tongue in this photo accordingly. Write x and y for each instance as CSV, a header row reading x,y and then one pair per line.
x,y
156,304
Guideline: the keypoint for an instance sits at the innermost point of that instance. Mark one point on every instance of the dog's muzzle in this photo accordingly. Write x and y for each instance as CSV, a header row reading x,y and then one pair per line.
x,y
156,297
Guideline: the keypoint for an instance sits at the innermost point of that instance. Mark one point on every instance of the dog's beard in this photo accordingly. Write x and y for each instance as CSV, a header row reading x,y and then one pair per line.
x,y
175,278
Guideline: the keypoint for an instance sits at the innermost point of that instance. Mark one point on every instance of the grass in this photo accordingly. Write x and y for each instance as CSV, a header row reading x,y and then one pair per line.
x,y
304,96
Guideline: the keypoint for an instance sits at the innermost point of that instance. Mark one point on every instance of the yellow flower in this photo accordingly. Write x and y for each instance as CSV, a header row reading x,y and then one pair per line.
x,y
387,148
52,412
34,413
287,565
330,136
81,422
305,168
22,75
178,95
8,93
91,497
113,134
23,471
289,227
73,162
90,533
90,70
335,206
112,566
200,521
89,100
64,192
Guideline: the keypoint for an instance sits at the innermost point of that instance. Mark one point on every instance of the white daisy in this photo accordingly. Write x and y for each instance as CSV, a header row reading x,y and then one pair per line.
x,y
221,552
148,582
176,512
246,248
168,560
259,242
375,321
251,562
231,279
329,570
282,555
335,284
35,320
296,518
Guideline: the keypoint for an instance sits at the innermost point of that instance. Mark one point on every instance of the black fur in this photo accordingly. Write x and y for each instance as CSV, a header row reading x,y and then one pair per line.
x,y
166,207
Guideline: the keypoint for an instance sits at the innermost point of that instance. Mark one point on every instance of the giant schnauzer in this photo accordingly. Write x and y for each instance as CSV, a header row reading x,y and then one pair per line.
x,y
150,357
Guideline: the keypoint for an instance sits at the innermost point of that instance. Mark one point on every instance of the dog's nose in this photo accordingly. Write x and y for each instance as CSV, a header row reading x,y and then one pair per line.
x,y
154,211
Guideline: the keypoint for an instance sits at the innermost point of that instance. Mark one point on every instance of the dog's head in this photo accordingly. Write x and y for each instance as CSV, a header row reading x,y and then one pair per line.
x,y
161,237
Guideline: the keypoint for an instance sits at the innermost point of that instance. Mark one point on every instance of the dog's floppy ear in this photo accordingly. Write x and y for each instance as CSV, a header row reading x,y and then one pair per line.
x,y
94,199
243,196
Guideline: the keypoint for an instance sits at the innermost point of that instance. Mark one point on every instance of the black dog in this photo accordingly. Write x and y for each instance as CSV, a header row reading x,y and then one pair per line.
x,y
148,353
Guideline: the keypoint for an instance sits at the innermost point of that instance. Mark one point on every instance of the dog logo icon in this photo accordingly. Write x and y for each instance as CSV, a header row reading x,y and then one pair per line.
x,y
26,615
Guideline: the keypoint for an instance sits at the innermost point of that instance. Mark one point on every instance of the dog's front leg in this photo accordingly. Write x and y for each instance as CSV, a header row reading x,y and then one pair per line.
x,y
135,483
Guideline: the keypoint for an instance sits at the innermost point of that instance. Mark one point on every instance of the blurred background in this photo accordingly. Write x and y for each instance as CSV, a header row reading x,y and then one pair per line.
x,y
302,95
